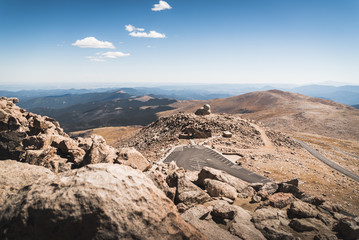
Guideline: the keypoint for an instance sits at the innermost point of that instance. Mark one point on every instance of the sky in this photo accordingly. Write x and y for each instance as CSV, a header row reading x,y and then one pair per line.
x,y
112,42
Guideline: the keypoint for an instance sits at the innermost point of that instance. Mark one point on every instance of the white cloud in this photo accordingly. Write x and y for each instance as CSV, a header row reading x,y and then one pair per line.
x,y
102,56
114,54
162,5
139,32
151,34
95,59
91,42
131,28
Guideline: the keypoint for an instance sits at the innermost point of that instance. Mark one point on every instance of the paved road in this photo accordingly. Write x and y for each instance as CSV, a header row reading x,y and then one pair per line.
x,y
196,157
328,162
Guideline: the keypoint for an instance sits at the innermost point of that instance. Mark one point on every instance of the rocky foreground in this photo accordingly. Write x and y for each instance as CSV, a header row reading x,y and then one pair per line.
x,y
81,189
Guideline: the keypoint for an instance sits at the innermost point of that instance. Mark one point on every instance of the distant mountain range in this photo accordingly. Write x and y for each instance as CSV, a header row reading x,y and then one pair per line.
x,y
92,110
348,94
80,109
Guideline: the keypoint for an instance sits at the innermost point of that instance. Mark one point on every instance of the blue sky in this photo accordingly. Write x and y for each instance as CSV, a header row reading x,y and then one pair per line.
x,y
239,41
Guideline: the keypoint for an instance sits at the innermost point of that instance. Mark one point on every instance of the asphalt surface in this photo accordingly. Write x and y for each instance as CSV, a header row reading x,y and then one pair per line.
x,y
328,162
195,157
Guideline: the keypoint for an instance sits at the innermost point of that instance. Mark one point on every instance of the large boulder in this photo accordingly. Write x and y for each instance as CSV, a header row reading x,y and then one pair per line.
x,y
299,209
100,201
281,200
205,110
211,173
15,175
190,194
219,189
132,157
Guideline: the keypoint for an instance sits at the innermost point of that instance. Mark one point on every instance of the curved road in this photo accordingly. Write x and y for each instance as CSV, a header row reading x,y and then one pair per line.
x,y
195,157
328,162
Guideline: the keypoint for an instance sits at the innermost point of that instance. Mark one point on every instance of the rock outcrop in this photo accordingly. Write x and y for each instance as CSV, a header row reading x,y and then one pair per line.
x,y
281,212
40,140
205,110
100,201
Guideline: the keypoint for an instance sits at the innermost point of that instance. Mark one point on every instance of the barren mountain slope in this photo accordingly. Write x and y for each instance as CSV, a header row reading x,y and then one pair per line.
x,y
254,146
289,112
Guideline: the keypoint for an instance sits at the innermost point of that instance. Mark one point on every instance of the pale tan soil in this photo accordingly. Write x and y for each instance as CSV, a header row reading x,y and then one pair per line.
x,y
110,134
316,178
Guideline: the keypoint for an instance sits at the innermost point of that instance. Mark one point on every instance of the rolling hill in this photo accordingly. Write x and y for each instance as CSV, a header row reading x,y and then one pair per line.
x,y
286,111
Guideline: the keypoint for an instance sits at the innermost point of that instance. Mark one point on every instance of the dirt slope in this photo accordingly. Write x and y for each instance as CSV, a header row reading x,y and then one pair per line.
x,y
286,111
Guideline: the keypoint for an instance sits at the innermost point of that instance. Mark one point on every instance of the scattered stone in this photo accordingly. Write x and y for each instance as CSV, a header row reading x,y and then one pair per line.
x,y
316,201
227,134
289,188
256,199
281,200
189,194
222,210
269,187
299,209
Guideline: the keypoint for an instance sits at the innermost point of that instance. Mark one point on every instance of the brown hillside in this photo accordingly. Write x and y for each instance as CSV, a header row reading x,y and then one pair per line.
x,y
286,111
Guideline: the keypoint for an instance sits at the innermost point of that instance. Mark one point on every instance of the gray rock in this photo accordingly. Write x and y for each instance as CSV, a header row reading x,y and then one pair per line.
x,y
302,225
205,110
197,212
256,199
269,187
264,214
299,209
281,200
216,188
221,176
348,228
212,231
223,210
289,188
189,194
101,201
272,233
242,227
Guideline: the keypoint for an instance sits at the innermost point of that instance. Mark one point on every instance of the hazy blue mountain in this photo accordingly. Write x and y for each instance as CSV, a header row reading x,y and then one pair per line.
x,y
67,100
117,112
343,94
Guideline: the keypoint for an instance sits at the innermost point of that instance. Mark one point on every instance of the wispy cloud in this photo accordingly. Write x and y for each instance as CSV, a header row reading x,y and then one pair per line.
x,y
102,56
139,32
114,54
151,34
95,59
162,5
131,28
92,42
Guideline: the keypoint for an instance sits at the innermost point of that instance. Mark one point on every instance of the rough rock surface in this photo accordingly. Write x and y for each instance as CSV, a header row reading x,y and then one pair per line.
x,y
40,140
15,175
101,201
210,173
218,189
